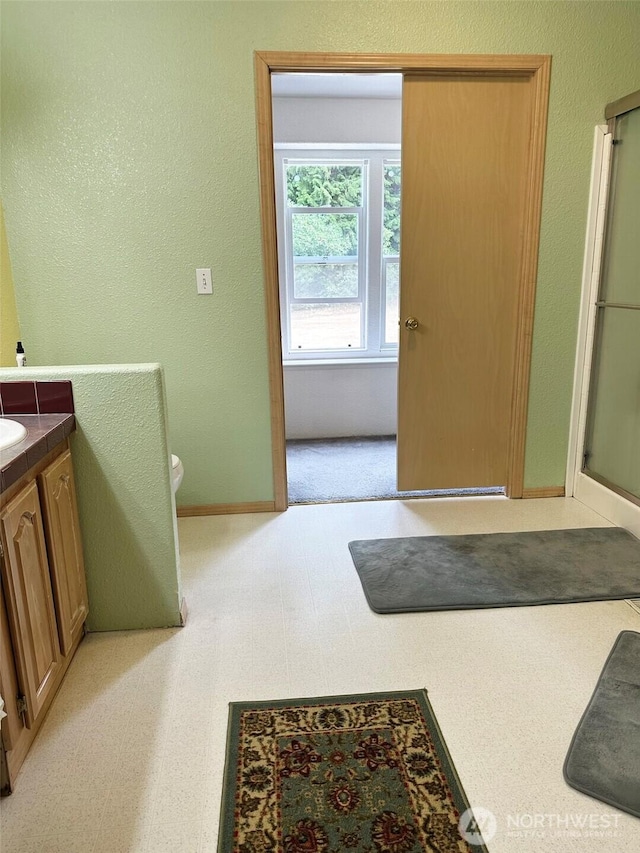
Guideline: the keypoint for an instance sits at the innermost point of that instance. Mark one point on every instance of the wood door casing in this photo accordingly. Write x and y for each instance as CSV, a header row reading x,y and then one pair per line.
x,y
65,549
465,161
534,67
29,599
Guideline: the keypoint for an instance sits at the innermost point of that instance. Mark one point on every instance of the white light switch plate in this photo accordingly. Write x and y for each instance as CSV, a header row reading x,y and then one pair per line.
x,y
203,281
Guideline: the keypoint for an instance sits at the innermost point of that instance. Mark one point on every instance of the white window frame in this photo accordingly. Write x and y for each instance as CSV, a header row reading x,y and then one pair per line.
x,y
384,344
371,262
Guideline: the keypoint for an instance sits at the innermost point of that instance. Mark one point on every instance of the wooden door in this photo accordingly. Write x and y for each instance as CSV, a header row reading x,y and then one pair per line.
x,y
65,549
29,599
465,161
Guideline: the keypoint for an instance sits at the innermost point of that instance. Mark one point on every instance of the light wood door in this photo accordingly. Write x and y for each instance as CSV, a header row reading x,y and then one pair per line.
x,y
65,549
465,160
29,599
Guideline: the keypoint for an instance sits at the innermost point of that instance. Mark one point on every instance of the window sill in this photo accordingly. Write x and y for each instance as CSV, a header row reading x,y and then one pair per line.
x,y
340,362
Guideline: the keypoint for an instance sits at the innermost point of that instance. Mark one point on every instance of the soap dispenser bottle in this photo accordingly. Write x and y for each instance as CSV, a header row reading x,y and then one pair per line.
x,y
21,358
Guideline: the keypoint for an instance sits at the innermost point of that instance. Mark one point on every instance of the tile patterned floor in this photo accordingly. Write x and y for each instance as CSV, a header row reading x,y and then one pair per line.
x,y
131,756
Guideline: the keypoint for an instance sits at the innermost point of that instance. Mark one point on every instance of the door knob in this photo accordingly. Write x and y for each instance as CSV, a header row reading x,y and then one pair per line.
x,y
411,323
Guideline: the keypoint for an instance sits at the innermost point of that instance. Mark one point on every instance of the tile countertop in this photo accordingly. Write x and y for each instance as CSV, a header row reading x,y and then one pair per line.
x,y
44,432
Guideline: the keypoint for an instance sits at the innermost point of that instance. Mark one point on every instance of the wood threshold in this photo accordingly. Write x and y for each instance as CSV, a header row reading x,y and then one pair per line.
x,y
544,492
225,509
535,66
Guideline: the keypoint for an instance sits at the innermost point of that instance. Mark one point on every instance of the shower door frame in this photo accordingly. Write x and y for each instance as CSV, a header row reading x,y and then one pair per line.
x,y
605,498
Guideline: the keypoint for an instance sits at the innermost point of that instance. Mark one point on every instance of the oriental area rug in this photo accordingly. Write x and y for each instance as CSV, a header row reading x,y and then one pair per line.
x,y
366,774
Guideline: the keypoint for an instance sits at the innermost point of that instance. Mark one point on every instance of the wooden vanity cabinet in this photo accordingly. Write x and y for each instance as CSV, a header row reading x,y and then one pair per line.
x,y
43,599
29,600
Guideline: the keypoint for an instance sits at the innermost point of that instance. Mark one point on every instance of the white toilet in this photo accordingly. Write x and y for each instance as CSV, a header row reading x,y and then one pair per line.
x,y
177,473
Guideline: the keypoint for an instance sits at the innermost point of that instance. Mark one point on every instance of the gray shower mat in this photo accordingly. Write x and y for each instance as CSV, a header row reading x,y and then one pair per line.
x,y
604,757
498,569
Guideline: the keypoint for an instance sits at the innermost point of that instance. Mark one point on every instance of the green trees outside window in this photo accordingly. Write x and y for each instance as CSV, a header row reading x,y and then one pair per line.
x,y
341,242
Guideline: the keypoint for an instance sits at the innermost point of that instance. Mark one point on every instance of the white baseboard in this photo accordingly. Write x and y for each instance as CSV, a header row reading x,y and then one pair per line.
x,y
612,506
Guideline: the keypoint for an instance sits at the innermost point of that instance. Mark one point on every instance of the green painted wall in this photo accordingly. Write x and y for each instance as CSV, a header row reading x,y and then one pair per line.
x,y
123,480
9,328
129,159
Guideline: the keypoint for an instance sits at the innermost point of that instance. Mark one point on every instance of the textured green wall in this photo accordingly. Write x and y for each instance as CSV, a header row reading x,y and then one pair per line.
x,y
123,480
9,328
129,159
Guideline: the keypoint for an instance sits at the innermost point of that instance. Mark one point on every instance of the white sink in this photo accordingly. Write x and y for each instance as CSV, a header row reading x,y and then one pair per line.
x,y
11,432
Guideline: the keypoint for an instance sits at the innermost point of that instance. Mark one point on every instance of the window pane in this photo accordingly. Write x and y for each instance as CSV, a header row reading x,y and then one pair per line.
x,y
322,326
324,186
391,227
325,281
325,235
391,305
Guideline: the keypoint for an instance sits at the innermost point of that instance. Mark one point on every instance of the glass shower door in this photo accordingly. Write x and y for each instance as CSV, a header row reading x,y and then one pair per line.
x,y
612,448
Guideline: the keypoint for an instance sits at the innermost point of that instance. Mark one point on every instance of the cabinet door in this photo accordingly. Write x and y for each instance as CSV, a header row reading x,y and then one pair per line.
x,y
13,724
65,549
29,599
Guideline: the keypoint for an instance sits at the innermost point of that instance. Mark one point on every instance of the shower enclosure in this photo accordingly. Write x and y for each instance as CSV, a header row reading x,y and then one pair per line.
x,y
603,463
612,436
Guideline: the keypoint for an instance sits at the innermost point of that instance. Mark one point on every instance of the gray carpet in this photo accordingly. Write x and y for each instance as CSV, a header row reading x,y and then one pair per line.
x,y
498,569
604,757
350,469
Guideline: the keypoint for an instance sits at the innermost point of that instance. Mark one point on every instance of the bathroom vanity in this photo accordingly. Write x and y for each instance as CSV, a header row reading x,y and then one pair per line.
x,y
43,592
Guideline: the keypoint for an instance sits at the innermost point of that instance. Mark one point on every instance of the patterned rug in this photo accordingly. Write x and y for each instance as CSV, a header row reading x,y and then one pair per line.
x,y
364,774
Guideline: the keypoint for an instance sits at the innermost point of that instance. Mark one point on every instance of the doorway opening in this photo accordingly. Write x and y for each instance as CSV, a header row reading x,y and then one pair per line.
x,y
331,265
337,157
336,470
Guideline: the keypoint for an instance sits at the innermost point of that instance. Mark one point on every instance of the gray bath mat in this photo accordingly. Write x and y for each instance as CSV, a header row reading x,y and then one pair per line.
x,y
498,569
604,757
